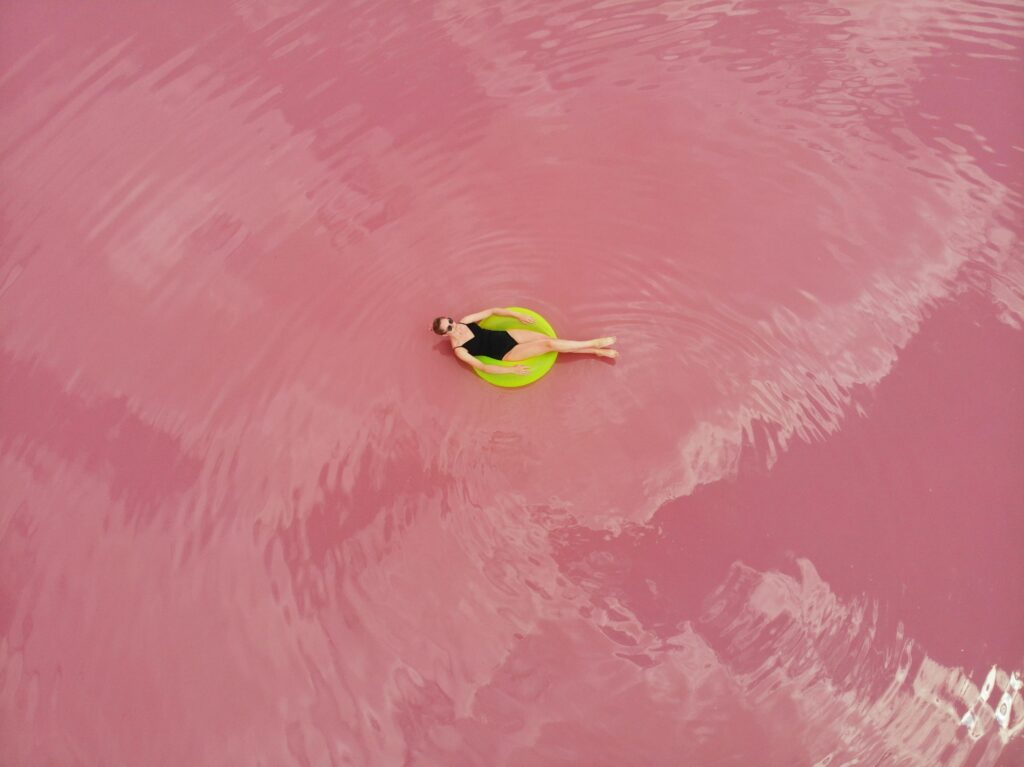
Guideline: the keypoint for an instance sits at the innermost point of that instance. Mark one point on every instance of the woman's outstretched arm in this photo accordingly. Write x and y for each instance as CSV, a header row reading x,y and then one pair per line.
x,y
482,315
526,319
473,362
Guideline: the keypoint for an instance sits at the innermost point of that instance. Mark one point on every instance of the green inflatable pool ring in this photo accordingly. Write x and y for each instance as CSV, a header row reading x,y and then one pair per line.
x,y
538,365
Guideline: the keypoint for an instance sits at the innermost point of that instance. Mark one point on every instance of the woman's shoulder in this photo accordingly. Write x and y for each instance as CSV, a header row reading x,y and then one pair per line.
x,y
464,338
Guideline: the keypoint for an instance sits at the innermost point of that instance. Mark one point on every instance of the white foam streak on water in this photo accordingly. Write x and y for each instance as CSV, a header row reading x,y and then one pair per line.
x,y
865,697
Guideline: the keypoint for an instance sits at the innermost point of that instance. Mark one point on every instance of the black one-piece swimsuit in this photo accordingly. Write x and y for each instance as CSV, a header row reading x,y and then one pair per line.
x,y
489,343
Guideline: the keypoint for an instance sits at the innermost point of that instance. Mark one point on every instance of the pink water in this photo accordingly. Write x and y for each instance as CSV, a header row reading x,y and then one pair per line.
x,y
253,513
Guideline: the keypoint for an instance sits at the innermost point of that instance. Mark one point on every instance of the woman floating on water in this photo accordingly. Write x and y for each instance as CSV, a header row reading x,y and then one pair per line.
x,y
470,341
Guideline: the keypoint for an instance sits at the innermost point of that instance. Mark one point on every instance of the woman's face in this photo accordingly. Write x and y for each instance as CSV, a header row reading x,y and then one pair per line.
x,y
443,325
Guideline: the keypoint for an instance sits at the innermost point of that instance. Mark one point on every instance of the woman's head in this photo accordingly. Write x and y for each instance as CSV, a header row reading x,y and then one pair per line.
x,y
443,325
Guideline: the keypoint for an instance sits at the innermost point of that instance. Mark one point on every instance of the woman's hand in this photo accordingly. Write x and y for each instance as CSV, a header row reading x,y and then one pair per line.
x,y
502,370
526,319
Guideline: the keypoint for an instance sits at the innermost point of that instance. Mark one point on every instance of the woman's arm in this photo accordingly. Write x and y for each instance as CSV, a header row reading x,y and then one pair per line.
x,y
473,362
526,319
482,315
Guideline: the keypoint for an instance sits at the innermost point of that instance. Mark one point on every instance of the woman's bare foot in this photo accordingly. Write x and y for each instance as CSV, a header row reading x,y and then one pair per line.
x,y
600,343
611,353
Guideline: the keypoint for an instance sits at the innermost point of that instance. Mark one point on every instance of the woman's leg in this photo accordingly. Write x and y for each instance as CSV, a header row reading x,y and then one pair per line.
x,y
525,351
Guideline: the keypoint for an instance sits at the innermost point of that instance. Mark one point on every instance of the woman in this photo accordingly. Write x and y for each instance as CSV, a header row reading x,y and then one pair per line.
x,y
471,341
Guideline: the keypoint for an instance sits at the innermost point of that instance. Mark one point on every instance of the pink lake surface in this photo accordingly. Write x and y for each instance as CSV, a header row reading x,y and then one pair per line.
x,y
252,512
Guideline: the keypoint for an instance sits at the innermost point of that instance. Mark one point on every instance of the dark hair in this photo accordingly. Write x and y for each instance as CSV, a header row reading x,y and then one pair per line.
x,y
437,325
